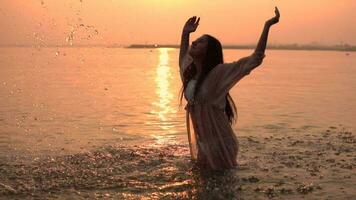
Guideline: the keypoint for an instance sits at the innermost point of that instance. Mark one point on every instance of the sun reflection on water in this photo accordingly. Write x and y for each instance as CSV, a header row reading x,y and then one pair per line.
x,y
162,106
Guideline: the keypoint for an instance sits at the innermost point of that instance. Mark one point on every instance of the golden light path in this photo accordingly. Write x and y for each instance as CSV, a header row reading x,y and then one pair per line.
x,y
163,108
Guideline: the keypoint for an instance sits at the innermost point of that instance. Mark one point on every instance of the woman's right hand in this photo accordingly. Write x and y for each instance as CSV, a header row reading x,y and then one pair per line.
x,y
191,25
275,19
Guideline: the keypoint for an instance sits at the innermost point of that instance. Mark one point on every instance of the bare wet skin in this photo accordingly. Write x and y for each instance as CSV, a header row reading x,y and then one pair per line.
x,y
315,165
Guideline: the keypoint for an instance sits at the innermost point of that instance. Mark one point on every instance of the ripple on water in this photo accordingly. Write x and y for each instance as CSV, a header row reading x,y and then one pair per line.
x,y
165,171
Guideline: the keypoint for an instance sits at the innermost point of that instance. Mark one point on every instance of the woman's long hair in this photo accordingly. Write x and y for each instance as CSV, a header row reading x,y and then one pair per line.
x,y
213,57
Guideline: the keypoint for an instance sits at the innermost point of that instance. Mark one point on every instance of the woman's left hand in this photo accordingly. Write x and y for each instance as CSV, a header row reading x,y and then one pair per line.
x,y
275,19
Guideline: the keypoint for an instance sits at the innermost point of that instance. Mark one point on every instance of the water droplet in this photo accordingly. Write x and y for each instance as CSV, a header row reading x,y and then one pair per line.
x,y
69,39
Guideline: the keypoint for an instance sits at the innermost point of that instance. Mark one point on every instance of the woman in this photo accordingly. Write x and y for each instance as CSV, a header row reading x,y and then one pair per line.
x,y
206,84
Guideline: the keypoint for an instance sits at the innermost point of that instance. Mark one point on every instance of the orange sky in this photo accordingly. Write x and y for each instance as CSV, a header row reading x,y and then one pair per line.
x,y
160,21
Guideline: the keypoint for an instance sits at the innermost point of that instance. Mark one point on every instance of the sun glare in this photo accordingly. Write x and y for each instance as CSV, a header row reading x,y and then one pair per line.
x,y
162,106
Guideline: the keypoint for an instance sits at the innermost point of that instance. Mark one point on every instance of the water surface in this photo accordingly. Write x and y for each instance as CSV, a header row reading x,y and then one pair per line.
x,y
60,100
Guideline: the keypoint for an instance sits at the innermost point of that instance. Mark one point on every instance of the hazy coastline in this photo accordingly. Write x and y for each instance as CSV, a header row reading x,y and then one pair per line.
x,y
278,47
307,47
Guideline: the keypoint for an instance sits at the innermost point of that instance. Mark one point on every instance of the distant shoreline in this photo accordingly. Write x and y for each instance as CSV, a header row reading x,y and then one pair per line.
x,y
305,47
277,47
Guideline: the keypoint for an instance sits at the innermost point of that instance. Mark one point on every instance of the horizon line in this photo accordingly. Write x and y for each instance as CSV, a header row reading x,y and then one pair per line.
x,y
292,46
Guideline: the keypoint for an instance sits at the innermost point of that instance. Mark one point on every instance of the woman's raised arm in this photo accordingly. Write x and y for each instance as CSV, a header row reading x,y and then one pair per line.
x,y
190,26
228,74
261,46
251,62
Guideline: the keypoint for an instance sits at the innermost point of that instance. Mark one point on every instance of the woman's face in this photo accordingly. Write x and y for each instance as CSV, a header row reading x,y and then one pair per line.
x,y
199,47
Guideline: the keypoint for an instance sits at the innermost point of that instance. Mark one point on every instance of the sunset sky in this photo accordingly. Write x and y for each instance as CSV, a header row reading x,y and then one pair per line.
x,y
54,22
